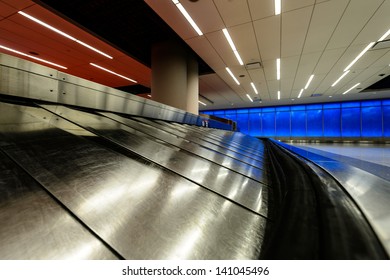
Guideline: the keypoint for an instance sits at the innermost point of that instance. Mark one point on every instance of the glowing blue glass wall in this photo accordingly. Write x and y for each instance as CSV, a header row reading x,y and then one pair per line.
x,y
358,119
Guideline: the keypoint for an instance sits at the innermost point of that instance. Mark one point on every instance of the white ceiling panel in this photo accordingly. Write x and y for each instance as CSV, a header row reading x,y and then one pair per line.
x,y
270,69
244,39
288,66
294,28
268,37
288,5
205,50
328,60
376,26
323,23
306,69
356,16
205,14
286,86
261,9
369,58
233,12
221,46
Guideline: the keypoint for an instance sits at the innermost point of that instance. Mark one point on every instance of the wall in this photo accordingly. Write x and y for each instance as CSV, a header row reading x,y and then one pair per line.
x,y
352,120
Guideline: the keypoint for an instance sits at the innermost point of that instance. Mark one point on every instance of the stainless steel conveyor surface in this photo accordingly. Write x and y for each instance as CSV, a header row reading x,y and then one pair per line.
x,y
218,158
194,139
137,209
240,189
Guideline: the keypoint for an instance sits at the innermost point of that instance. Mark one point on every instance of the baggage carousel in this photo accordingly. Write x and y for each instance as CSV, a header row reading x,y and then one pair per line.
x,y
89,184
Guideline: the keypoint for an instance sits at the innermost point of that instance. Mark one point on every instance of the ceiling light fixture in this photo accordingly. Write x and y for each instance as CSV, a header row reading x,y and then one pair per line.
x,y
249,97
33,57
188,17
230,41
63,34
112,72
309,81
254,88
351,88
384,36
278,68
204,104
231,74
278,94
339,79
278,7
359,56
300,93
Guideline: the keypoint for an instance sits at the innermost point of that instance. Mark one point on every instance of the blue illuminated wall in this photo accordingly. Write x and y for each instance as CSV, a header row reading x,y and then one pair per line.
x,y
358,119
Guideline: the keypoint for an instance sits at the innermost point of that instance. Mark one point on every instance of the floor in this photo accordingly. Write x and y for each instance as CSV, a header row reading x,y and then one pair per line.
x,y
369,157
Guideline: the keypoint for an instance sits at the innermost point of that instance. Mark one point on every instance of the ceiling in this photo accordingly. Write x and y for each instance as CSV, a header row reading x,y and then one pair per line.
x,y
310,37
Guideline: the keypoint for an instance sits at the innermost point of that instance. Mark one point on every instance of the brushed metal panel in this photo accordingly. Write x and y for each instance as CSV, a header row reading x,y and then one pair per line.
x,y
26,84
10,61
242,190
140,210
34,226
230,163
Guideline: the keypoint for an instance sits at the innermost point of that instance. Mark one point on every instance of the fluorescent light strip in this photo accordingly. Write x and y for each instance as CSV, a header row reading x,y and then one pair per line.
x,y
359,56
230,41
204,104
384,35
112,72
278,68
247,95
254,88
32,57
300,93
309,81
278,94
188,17
231,74
351,88
278,7
63,33
339,79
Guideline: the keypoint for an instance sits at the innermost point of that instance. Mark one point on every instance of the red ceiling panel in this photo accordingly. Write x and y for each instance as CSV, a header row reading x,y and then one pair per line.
x,y
21,33
6,10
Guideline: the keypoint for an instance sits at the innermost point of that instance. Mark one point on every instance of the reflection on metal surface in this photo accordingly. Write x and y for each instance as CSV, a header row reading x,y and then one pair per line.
x,y
221,150
194,168
139,210
34,226
230,163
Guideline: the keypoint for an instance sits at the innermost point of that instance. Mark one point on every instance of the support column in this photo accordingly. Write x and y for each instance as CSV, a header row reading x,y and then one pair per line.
x,y
175,77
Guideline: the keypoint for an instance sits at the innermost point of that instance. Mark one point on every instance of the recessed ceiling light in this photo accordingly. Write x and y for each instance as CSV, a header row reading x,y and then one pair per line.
x,y
204,104
232,46
278,94
384,35
231,74
300,93
348,90
188,17
359,56
33,57
278,7
278,68
339,79
247,95
112,72
309,81
254,88
63,33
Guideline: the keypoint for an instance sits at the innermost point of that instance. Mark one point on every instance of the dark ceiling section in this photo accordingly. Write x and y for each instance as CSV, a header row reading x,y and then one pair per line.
x,y
380,85
130,25
135,89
